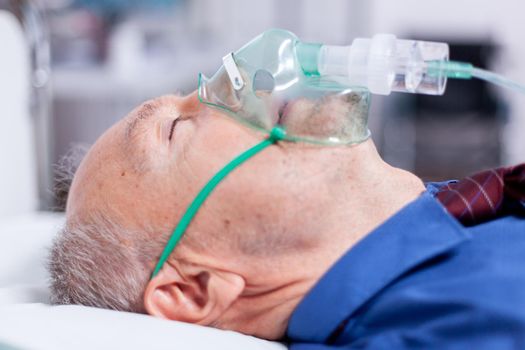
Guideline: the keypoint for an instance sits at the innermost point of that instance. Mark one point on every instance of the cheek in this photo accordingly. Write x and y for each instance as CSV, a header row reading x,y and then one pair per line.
x,y
220,135
267,186
214,142
211,142
274,184
266,206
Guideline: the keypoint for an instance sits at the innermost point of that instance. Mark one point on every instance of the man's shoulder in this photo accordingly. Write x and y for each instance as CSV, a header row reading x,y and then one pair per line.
x,y
499,236
424,259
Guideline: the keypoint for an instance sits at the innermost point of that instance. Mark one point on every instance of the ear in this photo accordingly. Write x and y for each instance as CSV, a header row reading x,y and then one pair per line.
x,y
191,293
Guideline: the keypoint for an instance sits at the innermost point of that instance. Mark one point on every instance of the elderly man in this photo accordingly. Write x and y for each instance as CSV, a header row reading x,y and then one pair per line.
x,y
326,247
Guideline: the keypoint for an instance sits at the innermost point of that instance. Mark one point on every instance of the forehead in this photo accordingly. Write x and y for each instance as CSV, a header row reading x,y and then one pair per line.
x,y
113,157
94,167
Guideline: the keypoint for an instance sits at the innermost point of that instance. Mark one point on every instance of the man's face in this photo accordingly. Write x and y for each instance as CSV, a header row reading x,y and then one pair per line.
x,y
258,224
148,167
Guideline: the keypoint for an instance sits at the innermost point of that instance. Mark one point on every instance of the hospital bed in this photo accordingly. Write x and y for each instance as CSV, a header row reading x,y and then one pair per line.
x,y
27,321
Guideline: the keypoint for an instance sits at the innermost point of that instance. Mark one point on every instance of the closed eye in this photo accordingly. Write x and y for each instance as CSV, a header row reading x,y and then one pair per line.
x,y
174,123
172,128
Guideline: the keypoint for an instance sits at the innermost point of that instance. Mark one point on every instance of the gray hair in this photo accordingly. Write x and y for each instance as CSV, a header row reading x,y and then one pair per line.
x,y
95,261
89,266
64,171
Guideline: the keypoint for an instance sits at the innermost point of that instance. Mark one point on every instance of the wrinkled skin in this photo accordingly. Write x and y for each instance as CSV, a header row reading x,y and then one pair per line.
x,y
265,235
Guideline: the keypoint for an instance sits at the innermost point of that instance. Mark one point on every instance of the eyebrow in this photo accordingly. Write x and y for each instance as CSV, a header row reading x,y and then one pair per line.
x,y
146,111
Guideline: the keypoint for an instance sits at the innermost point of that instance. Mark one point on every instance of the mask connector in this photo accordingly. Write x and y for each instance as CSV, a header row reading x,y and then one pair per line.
x,y
384,64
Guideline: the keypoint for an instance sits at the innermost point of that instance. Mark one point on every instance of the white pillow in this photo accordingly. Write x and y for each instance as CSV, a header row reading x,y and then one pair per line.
x,y
24,242
38,326
26,322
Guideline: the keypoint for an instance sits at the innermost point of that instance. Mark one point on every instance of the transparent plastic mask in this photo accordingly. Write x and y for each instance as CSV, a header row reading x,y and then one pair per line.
x,y
263,84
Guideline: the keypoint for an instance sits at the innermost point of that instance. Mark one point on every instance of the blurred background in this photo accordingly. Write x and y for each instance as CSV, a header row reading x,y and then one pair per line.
x,y
84,64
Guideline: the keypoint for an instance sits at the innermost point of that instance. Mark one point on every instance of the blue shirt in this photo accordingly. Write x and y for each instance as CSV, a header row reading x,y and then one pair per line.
x,y
421,280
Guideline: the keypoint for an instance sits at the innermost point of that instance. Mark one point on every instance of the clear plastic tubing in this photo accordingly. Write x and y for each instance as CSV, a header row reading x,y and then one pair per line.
x,y
497,79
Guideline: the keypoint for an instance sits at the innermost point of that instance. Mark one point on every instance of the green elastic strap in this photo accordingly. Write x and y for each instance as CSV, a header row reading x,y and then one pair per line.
x,y
276,134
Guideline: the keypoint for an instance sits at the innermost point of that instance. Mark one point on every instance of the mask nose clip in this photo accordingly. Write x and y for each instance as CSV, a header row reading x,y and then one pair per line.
x,y
233,71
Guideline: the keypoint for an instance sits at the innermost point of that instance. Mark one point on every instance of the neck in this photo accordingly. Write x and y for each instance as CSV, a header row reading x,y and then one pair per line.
x,y
265,312
363,193
372,192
